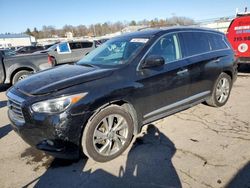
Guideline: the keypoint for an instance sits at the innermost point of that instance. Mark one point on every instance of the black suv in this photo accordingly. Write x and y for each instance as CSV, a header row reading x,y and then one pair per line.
x,y
98,104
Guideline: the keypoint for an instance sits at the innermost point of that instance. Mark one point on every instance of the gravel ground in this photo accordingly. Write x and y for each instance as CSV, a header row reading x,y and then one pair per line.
x,y
198,147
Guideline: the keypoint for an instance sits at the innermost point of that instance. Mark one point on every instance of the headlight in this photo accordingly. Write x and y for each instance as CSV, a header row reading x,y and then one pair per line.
x,y
58,104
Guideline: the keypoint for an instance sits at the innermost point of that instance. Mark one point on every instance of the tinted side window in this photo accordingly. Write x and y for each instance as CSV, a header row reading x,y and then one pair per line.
x,y
168,47
195,43
39,48
32,48
216,41
87,44
75,45
23,49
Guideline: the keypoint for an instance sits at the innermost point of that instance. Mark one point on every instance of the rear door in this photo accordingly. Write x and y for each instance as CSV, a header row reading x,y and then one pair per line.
x,y
203,62
79,50
76,49
87,47
164,88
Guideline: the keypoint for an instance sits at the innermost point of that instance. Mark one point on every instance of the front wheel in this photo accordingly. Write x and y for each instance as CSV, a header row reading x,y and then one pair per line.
x,y
221,91
108,134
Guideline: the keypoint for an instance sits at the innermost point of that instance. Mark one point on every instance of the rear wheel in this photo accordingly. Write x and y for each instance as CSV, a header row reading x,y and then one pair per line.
x,y
108,134
20,76
221,91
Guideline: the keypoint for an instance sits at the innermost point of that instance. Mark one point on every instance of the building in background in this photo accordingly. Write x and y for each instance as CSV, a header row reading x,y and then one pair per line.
x,y
219,24
69,35
16,40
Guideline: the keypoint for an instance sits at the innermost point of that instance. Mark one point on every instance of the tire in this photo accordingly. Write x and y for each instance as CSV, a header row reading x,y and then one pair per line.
x,y
220,93
20,75
107,134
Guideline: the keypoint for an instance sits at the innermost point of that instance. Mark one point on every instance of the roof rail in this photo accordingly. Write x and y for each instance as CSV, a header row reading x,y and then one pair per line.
x,y
166,27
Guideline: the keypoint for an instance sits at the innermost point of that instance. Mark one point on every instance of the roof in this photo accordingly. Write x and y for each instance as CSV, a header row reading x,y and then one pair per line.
x,y
141,33
6,36
149,32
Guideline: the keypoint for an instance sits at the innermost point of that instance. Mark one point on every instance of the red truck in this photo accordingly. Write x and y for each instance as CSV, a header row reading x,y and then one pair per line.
x,y
238,34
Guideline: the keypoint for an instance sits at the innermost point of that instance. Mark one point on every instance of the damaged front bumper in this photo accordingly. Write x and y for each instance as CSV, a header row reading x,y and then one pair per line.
x,y
58,135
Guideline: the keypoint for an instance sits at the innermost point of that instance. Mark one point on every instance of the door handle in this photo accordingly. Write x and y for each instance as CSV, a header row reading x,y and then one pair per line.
x,y
216,60
182,71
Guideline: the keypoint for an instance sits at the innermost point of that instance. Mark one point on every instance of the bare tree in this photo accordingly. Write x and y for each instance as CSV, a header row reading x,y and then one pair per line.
x,y
101,29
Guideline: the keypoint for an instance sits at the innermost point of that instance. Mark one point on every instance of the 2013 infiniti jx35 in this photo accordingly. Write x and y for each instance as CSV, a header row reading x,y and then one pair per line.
x,y
99,103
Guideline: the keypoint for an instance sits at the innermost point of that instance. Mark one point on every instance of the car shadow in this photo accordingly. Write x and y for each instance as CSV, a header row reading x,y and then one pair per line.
x,y
148,165
4,87
5,130
241,179
3,104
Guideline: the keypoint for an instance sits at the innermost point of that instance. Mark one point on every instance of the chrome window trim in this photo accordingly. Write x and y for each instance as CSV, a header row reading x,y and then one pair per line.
x,y
182,58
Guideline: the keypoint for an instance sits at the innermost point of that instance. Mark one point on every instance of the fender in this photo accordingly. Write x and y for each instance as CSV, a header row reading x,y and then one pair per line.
x,y
10,70
128,106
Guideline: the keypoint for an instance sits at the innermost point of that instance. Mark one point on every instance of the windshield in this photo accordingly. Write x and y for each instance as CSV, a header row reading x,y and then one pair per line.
x,y
52,48
114,51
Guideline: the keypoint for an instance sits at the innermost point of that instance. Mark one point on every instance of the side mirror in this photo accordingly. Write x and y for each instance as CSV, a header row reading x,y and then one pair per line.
x,y
63,48
153,61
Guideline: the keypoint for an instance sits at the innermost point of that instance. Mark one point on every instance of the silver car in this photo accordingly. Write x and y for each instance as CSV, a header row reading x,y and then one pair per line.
x,y
70,52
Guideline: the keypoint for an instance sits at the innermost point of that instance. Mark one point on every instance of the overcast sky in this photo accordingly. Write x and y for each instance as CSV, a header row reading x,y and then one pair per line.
x,y
18,15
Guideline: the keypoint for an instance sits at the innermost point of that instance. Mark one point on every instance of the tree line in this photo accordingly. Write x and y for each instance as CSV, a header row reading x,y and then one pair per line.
x,y
101,29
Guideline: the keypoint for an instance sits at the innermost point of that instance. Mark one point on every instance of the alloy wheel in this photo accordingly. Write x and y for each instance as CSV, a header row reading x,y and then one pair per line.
x,y
110,135
222,90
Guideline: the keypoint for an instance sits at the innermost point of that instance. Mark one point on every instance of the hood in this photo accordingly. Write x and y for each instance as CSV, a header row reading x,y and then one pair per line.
x,y
59,78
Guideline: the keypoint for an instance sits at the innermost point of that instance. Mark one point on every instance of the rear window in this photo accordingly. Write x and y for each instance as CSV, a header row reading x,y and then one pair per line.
x,y
75,45
216,41
201,42
195,43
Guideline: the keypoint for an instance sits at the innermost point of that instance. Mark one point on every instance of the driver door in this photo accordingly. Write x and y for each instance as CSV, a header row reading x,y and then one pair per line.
x,y
164,87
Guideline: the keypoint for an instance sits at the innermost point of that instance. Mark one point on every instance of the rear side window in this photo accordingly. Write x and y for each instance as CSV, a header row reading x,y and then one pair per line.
x,y
195,43
39,48
216,41
75,45
87,44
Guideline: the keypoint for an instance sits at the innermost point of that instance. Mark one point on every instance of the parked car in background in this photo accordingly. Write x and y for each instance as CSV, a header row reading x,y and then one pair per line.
x,y
99,103
101,41
29,49
70,52
238,34
17,67
7,52
46,46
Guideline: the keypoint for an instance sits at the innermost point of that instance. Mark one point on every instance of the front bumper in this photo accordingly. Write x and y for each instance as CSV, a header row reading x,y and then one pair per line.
x,y
58,135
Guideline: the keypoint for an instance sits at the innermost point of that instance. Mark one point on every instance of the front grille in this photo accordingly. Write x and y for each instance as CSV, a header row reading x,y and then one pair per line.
x,y
14,105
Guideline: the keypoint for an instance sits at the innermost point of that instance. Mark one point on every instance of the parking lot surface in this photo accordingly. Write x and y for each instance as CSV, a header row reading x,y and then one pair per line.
x,y
198,147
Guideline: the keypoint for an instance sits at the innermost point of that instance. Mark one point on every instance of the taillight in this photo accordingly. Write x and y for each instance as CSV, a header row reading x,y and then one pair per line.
x,y
50,60
236,55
